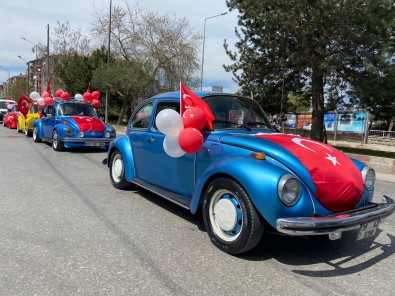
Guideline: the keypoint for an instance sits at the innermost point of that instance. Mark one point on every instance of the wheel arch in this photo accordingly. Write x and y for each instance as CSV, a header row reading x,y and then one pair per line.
x,y
122,144
252,175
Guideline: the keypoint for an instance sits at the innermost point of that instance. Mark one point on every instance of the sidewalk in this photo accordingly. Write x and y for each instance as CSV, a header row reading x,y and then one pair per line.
x,y
384,167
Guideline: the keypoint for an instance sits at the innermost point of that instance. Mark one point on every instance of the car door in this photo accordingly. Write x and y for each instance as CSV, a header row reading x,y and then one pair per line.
x,y
48,121
152,164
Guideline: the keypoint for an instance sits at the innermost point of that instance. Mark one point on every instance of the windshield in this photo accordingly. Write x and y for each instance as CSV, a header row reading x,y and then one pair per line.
x,y
76,109
3,104
237,111
34,109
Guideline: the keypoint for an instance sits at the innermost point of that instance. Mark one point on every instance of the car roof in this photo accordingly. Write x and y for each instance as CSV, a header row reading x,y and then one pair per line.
x,y
176,94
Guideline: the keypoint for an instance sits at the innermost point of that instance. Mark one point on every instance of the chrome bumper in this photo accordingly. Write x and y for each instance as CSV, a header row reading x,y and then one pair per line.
x,y
336,223
95,140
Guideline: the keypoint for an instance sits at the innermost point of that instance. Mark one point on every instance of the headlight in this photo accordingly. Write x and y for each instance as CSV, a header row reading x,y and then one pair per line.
x,y
368,177
288,190
110,132
68,132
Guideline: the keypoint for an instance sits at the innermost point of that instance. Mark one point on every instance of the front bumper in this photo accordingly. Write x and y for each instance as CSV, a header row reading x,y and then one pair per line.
x,y
91,140
335,224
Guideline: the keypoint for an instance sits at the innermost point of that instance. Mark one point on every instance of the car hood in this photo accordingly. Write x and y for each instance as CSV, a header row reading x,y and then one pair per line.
x,y
338,182
87,123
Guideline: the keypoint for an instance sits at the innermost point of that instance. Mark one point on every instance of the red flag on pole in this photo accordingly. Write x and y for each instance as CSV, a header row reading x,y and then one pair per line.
x,y
24,104
89,88
188,100
49,87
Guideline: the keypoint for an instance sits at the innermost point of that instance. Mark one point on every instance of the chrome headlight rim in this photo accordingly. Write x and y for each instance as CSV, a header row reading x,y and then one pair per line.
x,y
282,188
368,177
68,131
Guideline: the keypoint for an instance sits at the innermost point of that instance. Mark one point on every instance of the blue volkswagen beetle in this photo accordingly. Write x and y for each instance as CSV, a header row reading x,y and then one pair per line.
x,y
247,177
72,124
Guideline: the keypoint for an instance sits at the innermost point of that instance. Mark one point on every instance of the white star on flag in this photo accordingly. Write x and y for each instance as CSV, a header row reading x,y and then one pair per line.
x,y
332,159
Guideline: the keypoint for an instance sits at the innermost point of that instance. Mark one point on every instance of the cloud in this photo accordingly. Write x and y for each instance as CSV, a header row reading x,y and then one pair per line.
x,y
29,19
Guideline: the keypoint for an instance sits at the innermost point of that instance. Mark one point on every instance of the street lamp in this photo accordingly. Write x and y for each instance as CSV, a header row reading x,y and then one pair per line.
x,y
35,45
204,40
28,73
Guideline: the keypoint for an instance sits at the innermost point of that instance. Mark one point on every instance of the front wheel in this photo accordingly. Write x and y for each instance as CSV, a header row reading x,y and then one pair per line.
x,y
36,138
230,218
117,171
57,143
27,132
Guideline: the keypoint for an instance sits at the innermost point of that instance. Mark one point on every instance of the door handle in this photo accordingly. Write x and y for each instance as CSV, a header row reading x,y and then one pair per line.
x,y
150,139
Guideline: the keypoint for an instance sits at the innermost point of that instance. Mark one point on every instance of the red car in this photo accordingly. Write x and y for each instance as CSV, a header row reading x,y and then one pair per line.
x,y
10,119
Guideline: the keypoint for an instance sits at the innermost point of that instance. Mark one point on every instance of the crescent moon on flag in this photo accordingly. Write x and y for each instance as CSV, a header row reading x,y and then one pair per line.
x,y
298,141
24,104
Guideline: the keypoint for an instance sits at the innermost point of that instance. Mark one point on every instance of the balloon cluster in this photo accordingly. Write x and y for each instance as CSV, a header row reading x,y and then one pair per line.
x,y
42,100
87,97
182,133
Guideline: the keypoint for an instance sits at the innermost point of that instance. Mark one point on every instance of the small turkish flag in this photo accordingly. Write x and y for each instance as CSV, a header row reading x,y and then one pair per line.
x,y
24,104
189,100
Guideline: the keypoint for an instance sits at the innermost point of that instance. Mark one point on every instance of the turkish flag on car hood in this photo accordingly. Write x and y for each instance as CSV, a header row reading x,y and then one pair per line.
x,y
86,123
338,181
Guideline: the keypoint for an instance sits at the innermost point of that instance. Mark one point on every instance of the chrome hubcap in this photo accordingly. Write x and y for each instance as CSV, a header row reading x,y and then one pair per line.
x,y
117,168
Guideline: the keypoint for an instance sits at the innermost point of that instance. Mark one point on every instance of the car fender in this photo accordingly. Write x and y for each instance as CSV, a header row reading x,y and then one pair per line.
x,y
122,144
259,179
39,126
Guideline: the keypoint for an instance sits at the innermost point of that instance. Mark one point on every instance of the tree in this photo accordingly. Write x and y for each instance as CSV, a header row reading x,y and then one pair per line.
x,y
309,45
161,40
129,80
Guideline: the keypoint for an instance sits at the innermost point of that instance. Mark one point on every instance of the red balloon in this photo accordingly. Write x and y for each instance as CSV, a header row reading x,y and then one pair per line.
x,y
58,93
96,103
95,95
48,100
190,140
194,117
65,96
87,97
44,94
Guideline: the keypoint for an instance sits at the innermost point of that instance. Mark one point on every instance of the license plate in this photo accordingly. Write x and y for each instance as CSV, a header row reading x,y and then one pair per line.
x,y
95,144
368,229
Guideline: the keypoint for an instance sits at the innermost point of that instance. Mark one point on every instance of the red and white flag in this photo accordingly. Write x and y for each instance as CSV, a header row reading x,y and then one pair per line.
x,y
188,99
24,104
49,87
339,185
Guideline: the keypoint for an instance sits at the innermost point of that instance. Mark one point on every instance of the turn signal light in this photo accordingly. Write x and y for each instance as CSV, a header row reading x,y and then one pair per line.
x,y
259,155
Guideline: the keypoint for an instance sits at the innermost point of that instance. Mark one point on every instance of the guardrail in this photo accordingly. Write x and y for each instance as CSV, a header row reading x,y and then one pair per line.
x,y
381,137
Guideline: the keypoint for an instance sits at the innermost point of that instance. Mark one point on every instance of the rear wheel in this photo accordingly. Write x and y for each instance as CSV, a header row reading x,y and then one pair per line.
x,y
36,138
117,171
230,218
57,143
27,132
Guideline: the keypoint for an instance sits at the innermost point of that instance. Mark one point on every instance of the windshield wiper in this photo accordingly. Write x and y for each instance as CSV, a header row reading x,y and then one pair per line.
x,y
232,123
258,123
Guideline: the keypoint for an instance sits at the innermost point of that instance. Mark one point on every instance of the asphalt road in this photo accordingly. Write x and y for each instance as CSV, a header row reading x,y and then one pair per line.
x,y
64,230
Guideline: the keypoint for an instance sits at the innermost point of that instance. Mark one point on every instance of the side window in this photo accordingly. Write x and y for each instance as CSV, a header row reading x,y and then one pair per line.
x,y
142,117
167,105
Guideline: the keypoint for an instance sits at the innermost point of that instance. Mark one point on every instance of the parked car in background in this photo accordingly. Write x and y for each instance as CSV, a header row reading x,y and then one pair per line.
x,y
3,107
26,124
10,119
247,178
72,124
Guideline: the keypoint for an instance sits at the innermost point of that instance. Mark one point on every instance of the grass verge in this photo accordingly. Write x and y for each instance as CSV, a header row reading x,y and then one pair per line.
x,y
366,152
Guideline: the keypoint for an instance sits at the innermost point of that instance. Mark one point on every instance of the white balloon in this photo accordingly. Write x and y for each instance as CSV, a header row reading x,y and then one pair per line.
x,y
78,97
34,95
41,102
171,147
169,122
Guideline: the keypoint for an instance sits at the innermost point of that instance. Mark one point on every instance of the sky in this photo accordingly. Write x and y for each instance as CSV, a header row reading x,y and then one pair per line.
x,y
29,19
